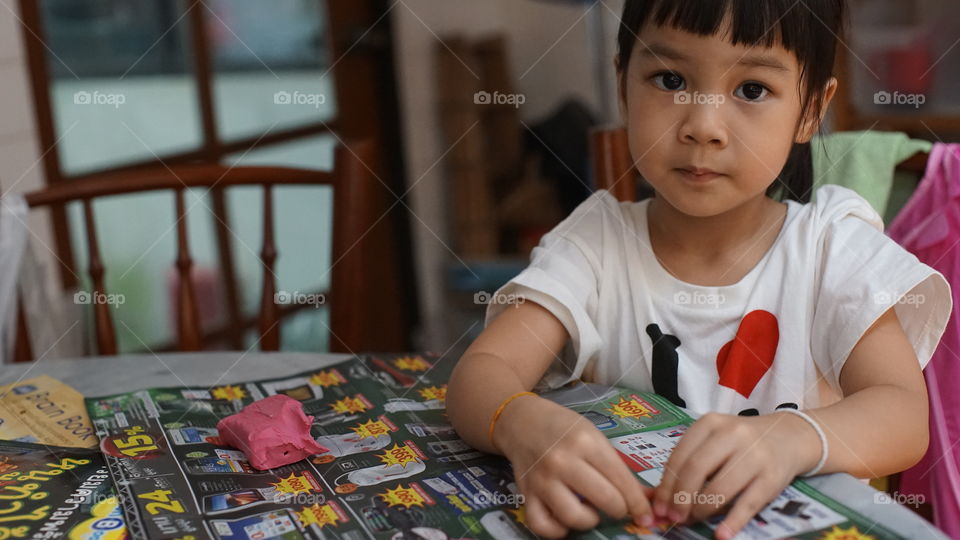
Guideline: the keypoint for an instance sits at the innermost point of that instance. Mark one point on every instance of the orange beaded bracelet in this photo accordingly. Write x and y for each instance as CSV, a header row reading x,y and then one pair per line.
x,y
499,411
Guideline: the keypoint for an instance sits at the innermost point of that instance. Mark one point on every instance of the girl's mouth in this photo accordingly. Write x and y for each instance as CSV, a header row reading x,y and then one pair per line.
x,y
698,175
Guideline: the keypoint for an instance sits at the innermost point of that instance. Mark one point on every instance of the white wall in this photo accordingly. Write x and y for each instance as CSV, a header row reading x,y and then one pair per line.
x,y
21,171
550,61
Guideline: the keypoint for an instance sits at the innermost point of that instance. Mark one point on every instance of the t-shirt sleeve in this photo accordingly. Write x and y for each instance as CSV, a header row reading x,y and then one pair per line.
x,y
563,278
862,273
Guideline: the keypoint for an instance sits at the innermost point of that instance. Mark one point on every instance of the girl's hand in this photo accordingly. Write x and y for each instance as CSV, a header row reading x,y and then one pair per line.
x,y
724,456
566,469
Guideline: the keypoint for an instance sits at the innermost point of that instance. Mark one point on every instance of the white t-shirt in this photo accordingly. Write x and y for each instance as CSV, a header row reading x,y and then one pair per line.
x,y
745,348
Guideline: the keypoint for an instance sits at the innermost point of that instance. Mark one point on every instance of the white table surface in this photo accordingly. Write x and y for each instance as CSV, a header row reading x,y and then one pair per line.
x,y
97,376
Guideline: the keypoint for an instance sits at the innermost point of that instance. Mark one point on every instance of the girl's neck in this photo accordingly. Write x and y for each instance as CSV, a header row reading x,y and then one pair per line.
x,y
736,232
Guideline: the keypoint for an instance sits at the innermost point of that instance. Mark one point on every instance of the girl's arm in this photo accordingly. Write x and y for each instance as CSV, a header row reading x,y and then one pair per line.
x,y
509,356
879,427
566,469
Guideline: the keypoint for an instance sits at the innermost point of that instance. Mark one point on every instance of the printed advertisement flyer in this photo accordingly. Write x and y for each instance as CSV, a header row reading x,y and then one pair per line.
x,y
44,410
394,469
49,492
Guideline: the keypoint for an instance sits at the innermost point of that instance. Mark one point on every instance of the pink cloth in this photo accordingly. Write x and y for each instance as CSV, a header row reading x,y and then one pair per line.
x,y
272,432
929,227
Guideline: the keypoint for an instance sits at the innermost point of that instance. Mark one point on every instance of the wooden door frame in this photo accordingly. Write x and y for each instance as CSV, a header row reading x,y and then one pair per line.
x,y
361,46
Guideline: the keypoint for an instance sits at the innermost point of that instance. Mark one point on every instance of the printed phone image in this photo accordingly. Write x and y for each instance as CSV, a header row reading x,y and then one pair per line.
x,y
461,457
600,420
278,524
424,430
382,517
299,388
225,462
501,526
183,405
220,503
445,448
193,435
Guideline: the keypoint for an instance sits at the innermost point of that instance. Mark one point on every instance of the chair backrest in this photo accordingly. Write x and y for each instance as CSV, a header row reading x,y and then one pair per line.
x,y
353,192
613,168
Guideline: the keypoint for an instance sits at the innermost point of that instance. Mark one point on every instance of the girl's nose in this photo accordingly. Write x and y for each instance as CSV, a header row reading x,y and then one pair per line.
x,y
703,124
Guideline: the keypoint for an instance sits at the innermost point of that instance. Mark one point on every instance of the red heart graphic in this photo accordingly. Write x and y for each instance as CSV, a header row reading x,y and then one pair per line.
x,y
743,361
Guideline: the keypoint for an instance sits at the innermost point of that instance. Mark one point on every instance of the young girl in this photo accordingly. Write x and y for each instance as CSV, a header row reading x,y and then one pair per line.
x,y
795,329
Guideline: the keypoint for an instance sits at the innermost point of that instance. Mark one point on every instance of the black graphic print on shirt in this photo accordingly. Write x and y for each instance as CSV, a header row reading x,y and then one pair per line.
x,y
754,412
665,364
741,363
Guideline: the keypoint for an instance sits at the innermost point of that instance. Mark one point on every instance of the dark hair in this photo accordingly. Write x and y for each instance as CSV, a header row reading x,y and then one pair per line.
x,y
809,28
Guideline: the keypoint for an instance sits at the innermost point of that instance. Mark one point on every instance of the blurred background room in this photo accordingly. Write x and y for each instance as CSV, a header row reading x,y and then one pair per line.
x,y
471,123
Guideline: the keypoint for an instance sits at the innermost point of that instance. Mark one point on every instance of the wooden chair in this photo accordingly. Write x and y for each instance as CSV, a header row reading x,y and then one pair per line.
x,y
613,168
354,189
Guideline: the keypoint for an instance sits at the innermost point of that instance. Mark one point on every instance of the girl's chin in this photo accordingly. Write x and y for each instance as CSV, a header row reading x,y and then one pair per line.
x,y
697,204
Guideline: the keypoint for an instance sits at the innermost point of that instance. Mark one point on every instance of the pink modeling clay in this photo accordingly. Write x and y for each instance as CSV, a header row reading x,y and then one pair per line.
x,y
272,432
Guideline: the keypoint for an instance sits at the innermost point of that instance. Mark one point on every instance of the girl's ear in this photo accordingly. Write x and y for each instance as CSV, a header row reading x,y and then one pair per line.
x,y
810,125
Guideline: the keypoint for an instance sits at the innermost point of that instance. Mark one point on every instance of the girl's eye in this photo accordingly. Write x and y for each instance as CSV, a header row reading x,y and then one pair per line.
x,y
752,91
670,81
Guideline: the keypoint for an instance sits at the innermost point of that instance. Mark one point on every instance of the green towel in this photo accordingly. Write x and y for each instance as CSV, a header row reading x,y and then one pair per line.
x,y
864,161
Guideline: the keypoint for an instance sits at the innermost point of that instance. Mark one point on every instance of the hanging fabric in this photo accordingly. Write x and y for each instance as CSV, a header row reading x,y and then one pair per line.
x,y
929,227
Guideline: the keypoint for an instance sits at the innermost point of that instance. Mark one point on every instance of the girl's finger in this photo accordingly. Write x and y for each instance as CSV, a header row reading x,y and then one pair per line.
x,y
540,521
585,480
635,495
566,508
696,435
758,493
706,460
722,488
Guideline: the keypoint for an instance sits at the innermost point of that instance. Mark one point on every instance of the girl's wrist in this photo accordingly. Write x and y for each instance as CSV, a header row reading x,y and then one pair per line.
x,y
801,440
503,428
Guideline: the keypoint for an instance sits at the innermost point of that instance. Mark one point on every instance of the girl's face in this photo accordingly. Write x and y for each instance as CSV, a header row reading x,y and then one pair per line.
x,y
698,102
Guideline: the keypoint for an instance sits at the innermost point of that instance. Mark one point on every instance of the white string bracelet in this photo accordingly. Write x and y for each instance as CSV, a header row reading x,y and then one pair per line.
x,y
824,449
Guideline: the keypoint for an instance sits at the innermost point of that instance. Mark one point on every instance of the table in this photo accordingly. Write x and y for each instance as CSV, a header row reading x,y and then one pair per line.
x,y
110,375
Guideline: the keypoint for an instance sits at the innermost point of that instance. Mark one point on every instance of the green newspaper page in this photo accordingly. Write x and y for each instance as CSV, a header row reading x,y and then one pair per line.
x,y
395,468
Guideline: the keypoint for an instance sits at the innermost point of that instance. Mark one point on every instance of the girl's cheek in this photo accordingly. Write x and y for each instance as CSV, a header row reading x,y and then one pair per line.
x,y
654,109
